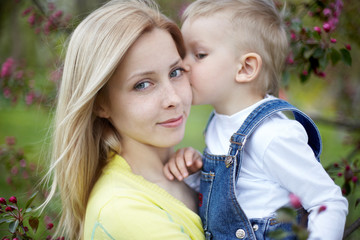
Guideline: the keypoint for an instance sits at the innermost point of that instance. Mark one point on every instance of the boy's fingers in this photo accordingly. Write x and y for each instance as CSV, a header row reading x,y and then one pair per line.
x,y
188,156
173,168
180,164
167,172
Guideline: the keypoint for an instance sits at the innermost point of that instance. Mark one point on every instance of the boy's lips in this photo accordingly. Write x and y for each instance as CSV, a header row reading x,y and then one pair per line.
x,y
172,122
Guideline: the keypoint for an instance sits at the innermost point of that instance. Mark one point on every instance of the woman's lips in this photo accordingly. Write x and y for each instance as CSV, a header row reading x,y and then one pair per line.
x,y
173,122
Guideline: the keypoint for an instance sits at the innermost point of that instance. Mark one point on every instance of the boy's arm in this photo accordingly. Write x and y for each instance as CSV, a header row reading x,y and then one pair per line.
x,y
184,162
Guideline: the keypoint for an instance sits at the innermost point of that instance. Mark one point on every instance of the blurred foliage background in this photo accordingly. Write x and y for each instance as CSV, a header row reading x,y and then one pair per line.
x,y
331,98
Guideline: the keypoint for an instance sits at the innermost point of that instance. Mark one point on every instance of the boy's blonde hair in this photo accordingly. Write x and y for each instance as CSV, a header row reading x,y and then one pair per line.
x,y
257,27
82,140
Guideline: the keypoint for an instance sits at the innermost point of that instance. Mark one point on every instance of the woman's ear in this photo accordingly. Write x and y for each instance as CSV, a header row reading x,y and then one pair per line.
x,y
101,108
249,68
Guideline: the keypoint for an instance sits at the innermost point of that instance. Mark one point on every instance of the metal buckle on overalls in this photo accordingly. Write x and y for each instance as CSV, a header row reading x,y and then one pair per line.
x,y
241,144
230,159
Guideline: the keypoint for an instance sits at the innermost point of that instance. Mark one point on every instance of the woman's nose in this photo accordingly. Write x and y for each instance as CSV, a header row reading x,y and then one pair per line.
x,y
171,98
187,62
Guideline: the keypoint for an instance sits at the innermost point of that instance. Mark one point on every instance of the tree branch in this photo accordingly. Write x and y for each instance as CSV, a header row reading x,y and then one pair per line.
x,y
355,225
38,5
348,124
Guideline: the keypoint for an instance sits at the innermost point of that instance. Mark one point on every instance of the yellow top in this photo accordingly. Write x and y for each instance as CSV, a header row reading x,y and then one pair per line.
x,y
123,205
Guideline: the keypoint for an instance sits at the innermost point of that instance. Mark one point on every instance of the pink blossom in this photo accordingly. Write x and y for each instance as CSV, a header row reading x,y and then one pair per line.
x,y
290,60
340,174
327,12
321,74
2,200
30,98
322,208
14,170
13,199
305,73
7,92
9,209
317,29
7,67
31,19
10,140
326,27
354,179
25,175
58,14
56,75
332,40
293,36
27,11
19,75
9,180
348,46
295,200
49,226
51,6
32,166
22,163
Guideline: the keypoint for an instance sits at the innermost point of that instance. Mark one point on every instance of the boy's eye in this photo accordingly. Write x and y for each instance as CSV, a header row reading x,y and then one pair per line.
x,y
176,73
201,55
142,85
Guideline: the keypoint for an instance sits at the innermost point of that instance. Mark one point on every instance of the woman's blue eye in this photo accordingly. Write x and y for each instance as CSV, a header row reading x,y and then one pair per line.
x,y
176,73
142,85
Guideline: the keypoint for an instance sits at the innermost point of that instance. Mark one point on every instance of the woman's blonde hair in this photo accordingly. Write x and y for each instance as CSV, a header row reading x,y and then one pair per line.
x,y
82,140
257,27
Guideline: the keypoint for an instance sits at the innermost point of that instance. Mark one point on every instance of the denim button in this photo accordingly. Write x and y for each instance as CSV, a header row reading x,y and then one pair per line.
x,y
255,227
240,233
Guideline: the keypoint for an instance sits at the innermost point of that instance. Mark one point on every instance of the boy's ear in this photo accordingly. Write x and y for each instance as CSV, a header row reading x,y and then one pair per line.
x,y
249,67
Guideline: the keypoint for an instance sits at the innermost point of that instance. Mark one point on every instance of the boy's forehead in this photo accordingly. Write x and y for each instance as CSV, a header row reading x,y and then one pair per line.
x,y
217,23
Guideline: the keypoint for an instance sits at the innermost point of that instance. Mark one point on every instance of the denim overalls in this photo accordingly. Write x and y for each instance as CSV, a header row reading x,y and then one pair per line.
x,y
219,209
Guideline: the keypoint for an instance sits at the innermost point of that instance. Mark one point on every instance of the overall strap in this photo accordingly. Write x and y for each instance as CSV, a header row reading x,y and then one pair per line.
x,y
259,114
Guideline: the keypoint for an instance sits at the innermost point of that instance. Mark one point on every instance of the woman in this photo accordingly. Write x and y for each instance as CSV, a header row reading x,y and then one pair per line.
x,y
123,103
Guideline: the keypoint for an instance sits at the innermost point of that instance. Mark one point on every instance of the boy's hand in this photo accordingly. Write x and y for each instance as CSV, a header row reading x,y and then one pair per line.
x,y
184,162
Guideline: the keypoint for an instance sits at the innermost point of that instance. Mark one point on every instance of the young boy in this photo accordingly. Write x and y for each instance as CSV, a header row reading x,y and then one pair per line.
x,y
236,50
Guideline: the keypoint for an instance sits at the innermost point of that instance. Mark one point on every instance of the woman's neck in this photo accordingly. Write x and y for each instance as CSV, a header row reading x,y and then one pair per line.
x,y
147,161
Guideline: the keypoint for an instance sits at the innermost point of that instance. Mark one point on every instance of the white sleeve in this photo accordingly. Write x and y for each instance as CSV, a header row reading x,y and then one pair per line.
x,y
290,161
193,181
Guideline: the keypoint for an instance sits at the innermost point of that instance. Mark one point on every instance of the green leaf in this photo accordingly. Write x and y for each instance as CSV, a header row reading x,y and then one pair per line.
x,y
28,210
34,223
323,61
3,220
277,234
31,199
318,53
308,53
346,57
304,78
286,214
335,56
13,226
286,78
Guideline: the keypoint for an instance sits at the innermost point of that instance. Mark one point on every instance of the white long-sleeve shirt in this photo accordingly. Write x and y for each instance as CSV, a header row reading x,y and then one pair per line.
x,y
277,161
